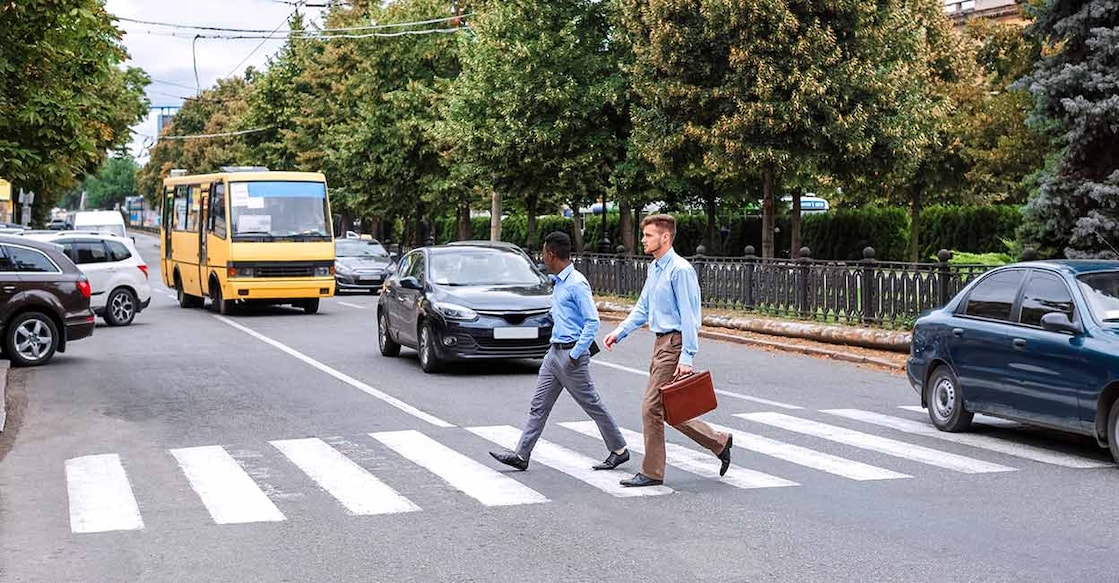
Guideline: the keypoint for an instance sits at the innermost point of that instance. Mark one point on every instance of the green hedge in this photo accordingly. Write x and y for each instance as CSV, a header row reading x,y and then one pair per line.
x,y
840,234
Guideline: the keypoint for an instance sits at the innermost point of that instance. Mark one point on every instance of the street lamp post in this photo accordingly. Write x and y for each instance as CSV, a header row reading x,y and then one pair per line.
x,y
604,241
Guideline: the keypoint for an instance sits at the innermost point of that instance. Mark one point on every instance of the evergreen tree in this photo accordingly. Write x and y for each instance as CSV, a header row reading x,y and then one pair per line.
x,y
1075,211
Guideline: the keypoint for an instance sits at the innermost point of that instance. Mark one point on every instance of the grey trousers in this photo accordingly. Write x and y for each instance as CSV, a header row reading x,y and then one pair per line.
x,y
560,372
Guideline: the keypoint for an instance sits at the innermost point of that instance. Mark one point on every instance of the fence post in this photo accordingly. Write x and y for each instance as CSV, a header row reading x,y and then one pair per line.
x,y
699,263
943,273
803,258
751,258
869,288
1029,254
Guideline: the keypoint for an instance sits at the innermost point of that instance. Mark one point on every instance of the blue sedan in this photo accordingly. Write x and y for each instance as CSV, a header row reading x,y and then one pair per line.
x,y
1034,342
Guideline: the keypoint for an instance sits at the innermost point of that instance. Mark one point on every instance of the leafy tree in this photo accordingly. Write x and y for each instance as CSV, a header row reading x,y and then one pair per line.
x,y
537,106
113,182
65,100
1075,211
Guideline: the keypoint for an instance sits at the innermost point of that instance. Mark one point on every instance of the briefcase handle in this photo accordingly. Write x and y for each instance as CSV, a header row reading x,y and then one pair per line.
x,y
685,375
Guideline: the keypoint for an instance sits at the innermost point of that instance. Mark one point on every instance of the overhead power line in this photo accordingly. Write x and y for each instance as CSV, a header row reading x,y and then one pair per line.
x,y
178,26
285,21
305,35
221,135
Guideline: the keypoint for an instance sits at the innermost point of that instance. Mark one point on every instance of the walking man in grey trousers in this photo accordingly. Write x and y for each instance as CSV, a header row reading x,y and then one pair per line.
x,y
567,364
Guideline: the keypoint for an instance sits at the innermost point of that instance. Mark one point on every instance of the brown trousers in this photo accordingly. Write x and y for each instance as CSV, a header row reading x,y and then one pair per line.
x,y
666,355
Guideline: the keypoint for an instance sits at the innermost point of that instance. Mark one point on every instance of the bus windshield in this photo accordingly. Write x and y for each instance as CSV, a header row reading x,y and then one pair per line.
x,y
278,210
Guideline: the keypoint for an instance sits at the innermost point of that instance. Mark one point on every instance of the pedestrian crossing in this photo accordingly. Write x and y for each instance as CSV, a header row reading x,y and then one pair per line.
x,y
102,496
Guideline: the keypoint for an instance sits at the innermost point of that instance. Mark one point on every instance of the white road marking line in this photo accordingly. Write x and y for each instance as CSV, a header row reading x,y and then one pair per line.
x,y
867,441
987,442
231,496
340,375
645,373
357,489
689,460
569,462
480,482
101,498
979,417
355,306
810,458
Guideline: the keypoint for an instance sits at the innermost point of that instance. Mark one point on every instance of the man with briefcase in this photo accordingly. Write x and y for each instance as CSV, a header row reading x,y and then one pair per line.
x,y
669,303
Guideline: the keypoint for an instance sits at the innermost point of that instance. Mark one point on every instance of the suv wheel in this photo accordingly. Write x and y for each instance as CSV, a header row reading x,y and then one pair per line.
x,y
31,339
946,401
120,309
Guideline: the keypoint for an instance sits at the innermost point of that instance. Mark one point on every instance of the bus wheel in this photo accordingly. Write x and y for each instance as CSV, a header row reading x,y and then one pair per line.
x,y
186,300
311,306
220,305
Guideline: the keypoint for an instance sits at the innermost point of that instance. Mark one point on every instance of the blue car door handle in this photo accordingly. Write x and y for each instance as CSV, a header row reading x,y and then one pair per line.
x,y
1019,343
957,332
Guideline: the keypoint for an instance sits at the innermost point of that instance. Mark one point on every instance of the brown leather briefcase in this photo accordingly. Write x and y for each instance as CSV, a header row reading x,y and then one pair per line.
x,y
688,397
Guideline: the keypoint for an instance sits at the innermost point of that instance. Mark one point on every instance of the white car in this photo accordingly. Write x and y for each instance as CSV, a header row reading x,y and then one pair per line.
x,y
116,272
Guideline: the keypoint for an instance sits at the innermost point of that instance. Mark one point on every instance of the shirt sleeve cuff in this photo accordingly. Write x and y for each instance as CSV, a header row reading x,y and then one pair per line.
x,y
686,359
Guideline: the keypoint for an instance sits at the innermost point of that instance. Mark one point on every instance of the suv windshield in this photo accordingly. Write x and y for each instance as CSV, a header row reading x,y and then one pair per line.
x,y
1101,290
482,267
351,248
279,210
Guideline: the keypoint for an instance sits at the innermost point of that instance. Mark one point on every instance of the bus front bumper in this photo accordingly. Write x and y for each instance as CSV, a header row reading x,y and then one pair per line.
x,y
279,289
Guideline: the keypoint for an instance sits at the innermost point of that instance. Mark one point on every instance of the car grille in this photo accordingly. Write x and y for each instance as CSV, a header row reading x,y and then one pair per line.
x,y
489,346
515,318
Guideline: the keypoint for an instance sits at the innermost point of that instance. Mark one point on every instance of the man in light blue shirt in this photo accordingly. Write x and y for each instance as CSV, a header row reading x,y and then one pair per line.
x,y
567,364
669,303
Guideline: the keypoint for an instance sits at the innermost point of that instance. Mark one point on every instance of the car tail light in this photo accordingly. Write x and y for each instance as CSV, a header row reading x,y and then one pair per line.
x,y
143,268
83,286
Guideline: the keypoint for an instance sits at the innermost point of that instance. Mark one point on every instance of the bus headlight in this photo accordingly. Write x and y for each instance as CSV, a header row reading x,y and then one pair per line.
x,y
241,271
324,271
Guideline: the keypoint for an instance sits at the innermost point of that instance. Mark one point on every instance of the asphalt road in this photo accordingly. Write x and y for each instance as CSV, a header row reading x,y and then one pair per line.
x,y
277,446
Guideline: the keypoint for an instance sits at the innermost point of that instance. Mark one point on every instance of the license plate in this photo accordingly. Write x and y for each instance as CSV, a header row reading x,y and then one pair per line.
x,y
519,333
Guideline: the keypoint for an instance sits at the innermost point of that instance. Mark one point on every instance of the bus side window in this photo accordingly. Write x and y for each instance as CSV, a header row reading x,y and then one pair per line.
x,y
182,202
217,209
194,208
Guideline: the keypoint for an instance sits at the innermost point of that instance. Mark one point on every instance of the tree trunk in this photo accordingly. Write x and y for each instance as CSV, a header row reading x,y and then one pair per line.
x,y
625,225
465,230
794,219
577,229
767,212
495,217
531,204
915,227
709,237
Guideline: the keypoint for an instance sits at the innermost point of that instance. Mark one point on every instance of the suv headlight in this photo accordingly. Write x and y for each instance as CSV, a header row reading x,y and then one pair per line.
x,y
455,311
324,271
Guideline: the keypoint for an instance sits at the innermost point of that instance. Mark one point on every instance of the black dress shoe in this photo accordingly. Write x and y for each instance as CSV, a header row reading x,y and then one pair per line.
x,y
613,460
510,459
725,455
640,481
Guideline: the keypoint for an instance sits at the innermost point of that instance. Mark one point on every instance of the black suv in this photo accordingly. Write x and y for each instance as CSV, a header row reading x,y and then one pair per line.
x,y
44,301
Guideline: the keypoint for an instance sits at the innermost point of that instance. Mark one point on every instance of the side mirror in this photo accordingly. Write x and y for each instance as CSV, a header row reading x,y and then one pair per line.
x,y
410,283
1059,322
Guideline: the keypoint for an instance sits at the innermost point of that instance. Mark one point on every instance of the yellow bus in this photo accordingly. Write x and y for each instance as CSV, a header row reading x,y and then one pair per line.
x,y
243,236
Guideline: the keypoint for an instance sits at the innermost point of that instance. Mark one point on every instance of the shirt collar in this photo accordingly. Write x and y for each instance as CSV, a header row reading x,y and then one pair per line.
x,y
664,261
563,275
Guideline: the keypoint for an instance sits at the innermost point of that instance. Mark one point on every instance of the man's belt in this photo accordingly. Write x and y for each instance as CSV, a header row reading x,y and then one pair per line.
x,y
565,345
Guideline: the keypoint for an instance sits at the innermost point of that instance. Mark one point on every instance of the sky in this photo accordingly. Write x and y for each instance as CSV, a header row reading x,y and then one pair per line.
x,y
168,59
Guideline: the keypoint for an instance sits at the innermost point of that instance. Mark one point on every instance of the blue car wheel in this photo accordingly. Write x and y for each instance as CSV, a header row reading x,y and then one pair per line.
x,y
946,401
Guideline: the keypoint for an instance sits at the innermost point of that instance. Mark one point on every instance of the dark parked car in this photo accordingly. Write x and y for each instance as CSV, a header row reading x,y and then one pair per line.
x,y
44,301
360,265
1034,342
465,302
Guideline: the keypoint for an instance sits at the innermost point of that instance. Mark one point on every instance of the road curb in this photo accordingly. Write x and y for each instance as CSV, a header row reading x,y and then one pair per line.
x,y
809,350
4,365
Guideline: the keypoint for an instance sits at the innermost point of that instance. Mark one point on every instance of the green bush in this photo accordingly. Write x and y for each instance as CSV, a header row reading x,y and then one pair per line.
x,y
977,229
843,234
991,259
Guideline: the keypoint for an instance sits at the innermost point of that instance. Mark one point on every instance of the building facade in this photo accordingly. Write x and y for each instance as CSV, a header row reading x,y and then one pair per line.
x,y
960,11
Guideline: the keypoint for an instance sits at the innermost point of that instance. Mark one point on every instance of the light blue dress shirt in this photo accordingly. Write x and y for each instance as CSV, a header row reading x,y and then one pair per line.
x,y
669,302
574,315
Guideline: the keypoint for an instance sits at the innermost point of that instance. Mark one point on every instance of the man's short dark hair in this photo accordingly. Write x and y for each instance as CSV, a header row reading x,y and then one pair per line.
x,y
559,244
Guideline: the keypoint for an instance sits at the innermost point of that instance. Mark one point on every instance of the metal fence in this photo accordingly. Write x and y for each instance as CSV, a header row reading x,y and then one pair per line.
x,y
866,292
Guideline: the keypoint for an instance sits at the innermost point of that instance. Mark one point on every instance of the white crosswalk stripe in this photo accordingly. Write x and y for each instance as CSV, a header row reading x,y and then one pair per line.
x,y
569,462
870,442
485,485
357,490
987,442
101,498
689,460
226,490
809,458
979,418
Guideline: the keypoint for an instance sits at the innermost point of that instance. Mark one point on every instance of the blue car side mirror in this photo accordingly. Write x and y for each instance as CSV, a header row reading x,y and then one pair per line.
x,y
1059,322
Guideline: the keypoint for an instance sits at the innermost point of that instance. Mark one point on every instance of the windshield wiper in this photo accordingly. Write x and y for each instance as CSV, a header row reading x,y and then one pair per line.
x,y
307,236
264,234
